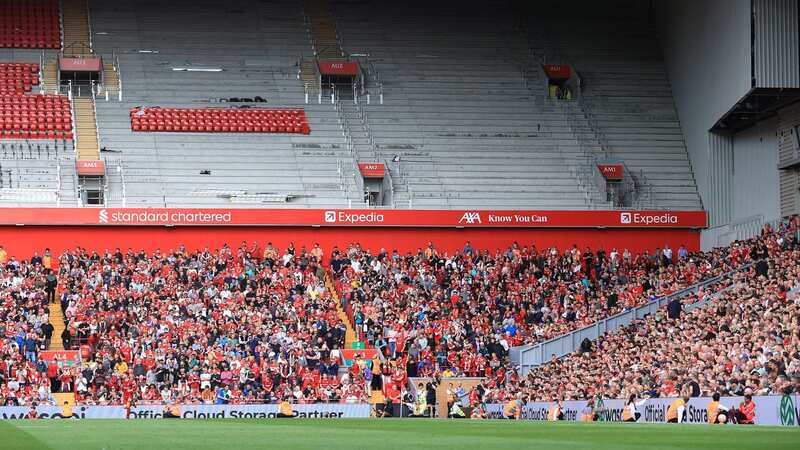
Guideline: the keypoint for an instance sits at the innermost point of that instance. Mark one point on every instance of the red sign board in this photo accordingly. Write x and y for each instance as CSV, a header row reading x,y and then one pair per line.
x,y
353,217
62,357
90,167
557,71
343,68
372,170
612,171
79,64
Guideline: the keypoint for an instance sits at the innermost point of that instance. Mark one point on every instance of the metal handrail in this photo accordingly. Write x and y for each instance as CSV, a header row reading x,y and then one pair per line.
x,y
61,22
89,26
94,111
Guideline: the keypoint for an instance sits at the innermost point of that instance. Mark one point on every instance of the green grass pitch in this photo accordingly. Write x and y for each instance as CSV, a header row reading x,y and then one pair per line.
x,y
353,434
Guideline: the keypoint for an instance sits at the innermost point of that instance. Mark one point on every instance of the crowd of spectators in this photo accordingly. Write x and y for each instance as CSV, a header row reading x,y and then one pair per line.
x,y
442,314
235,325
25,329
253,325
746,340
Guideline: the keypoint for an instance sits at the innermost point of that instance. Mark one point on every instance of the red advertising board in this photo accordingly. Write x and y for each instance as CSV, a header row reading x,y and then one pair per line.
x,y
557,71
372,170
612,171
352,218
79,64
90,167
338,68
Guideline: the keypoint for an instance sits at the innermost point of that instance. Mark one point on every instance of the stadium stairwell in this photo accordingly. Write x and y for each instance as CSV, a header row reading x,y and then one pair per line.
x,y
57,320
351,338
49,81
86,129
308,76
324,41
110,79
61,397
323,30
77,35
77,43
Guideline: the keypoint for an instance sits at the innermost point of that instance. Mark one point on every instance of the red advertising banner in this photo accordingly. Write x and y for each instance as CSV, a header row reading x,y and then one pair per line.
x,y
612,171
63,357
557,71
345,68
352,217
372,170
79,64
90,167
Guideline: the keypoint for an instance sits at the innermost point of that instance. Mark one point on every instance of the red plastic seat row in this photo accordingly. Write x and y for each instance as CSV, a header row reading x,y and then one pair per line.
x,y
218,120
220,128
35,99
58,135
19,67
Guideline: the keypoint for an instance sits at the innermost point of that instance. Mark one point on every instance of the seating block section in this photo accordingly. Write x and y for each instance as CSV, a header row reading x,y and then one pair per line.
x,y
219,120
18,78
29,24
35,117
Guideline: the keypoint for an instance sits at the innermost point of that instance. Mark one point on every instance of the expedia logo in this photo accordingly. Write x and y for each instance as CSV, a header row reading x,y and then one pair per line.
x,y
648,219
103,216
470,218
787,412
355,218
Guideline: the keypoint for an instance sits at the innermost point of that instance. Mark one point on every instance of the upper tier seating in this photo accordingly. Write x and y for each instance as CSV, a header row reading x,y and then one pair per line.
x,y
472,131
256,47
216,120
29,24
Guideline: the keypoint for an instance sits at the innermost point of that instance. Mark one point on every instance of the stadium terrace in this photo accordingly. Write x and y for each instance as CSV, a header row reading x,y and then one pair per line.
x,y
493,222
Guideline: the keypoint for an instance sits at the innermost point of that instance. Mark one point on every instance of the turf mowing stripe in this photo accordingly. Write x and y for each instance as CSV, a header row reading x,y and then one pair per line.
x,y
400,434
14,438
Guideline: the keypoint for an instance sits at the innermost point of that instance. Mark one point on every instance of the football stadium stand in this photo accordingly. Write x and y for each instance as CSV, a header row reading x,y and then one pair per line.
x,y
252,325
535,187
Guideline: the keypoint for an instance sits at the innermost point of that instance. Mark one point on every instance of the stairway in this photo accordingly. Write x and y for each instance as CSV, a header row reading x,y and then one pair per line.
x,y
350,334
359,132
110,79
61,397
86,128
308,76
49,81
323,30
75,21
57,320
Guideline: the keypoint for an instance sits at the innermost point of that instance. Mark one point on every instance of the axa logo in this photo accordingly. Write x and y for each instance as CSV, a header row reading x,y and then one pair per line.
x,y
330,216
625,217
103,216
470,218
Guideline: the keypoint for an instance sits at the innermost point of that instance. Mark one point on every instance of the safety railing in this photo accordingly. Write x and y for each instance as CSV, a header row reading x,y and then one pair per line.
x,y
94,114
531,356
72,120
89,27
